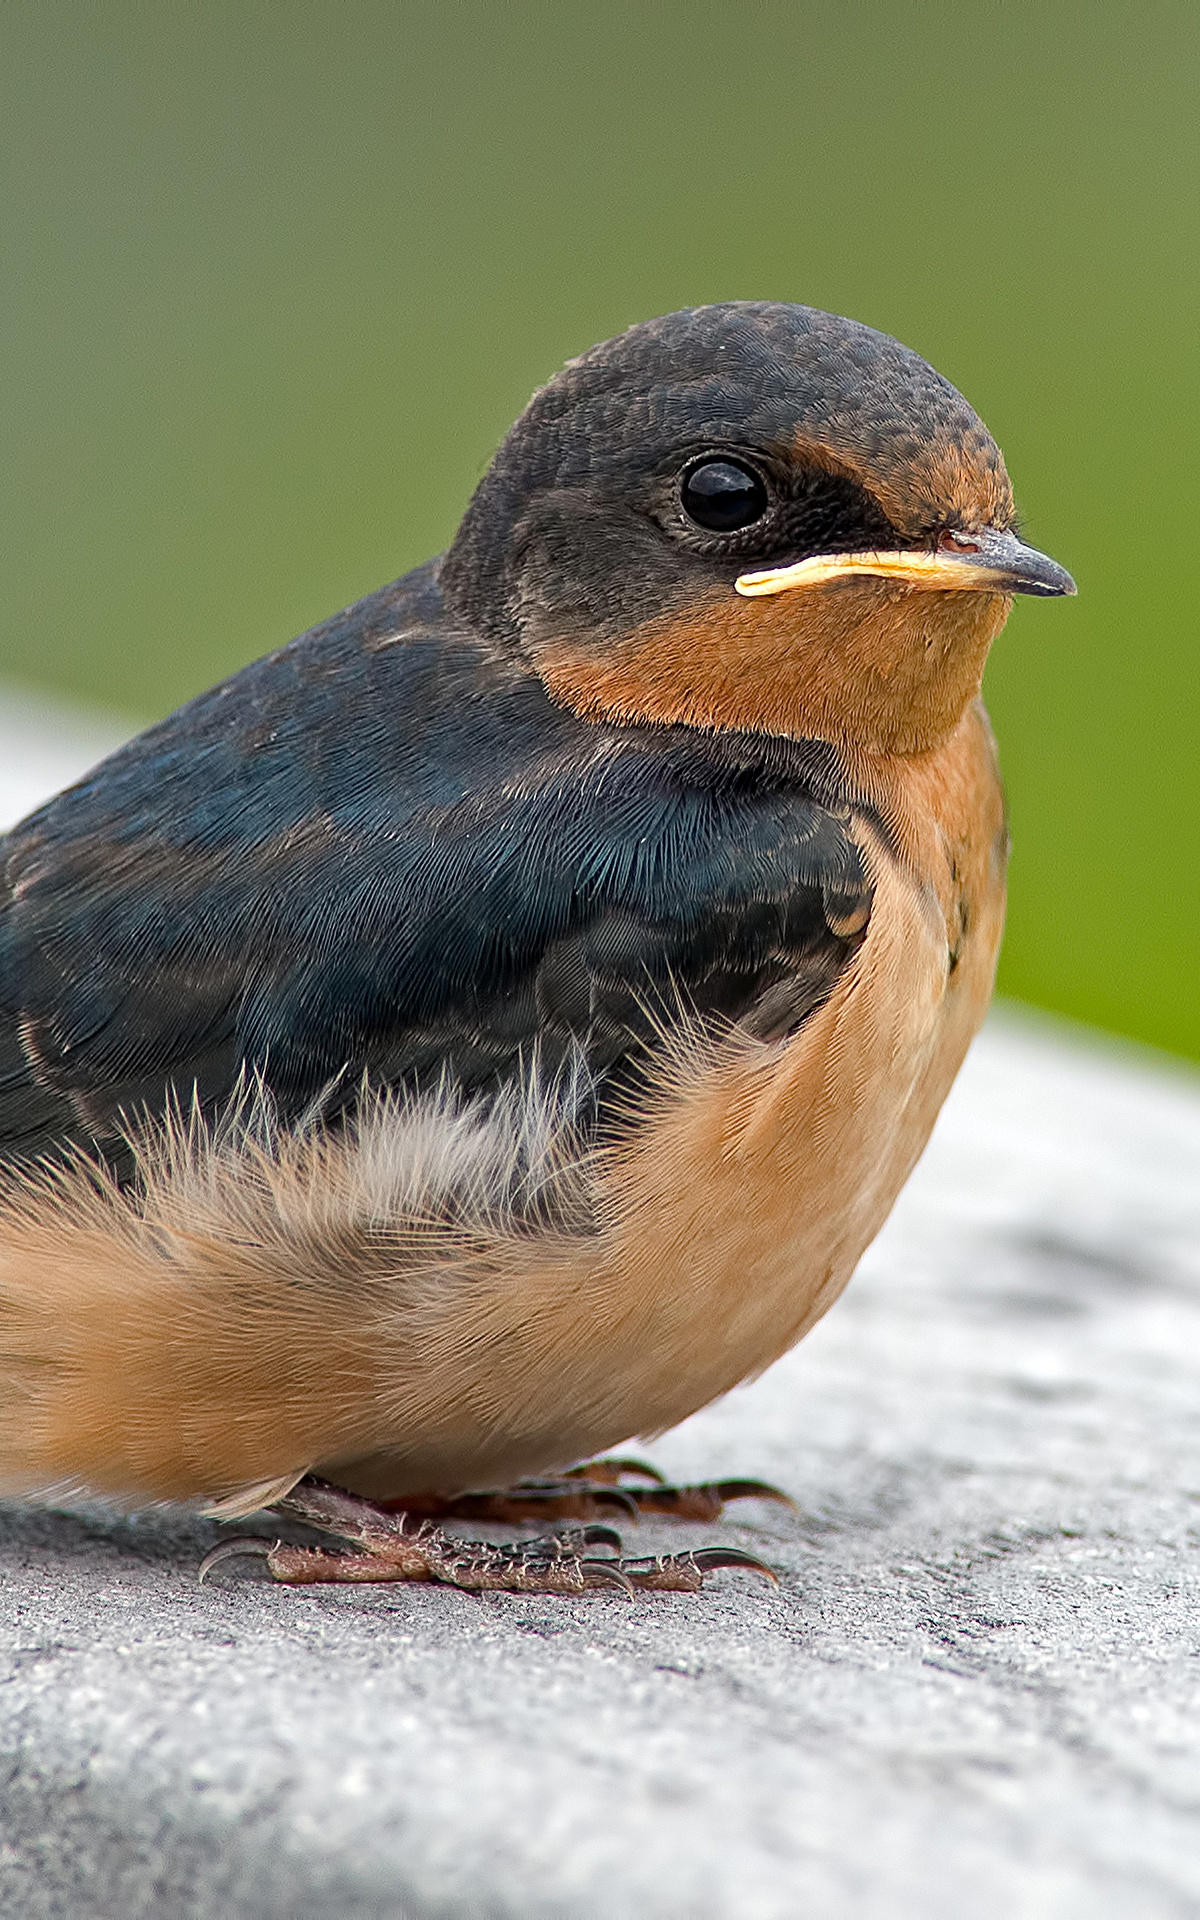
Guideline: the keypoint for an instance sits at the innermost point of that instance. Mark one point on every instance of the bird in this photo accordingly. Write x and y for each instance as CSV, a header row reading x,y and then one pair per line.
x,y
492,1026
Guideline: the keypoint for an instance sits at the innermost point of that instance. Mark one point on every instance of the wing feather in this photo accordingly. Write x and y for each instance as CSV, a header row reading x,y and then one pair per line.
x,y
385,850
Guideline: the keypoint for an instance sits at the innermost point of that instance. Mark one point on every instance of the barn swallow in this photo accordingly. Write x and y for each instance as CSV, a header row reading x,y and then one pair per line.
x,y
495,1024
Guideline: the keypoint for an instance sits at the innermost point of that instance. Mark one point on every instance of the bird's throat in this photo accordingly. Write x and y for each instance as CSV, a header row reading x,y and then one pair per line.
x,y
869,665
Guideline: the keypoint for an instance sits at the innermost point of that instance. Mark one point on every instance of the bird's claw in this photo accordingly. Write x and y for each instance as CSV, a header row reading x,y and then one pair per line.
x,y
583,1491
383,1546
245,1547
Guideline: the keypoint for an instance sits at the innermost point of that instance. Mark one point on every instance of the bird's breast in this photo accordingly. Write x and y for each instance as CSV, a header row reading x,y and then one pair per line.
x,y
754,1191
732,1216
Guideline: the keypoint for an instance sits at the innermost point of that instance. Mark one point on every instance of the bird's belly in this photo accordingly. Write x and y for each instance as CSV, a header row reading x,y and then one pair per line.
x,y
730,1221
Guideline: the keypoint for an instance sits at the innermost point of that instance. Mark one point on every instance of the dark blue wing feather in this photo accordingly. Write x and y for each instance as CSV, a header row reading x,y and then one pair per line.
x,y
384,848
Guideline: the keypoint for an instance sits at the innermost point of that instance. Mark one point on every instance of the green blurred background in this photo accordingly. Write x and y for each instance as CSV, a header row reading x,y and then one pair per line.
x,y
275,278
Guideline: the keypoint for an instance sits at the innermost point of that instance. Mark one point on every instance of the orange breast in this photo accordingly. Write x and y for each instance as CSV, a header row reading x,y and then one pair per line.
x,y
738,1211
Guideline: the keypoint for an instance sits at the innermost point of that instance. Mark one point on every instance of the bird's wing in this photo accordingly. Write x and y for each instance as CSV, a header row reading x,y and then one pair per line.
x,y
384,850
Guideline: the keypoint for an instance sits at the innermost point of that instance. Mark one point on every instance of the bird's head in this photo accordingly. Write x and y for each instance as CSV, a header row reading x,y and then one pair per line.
x,y
756,516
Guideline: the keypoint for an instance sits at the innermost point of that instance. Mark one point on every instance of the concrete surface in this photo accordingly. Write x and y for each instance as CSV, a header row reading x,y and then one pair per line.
x,y
976,1693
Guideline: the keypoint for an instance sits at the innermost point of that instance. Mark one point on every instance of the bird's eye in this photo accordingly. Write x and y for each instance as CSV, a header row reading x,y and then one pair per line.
x,y
723,496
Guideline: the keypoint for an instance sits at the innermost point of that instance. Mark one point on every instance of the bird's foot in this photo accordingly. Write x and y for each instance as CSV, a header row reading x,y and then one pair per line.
x,y
383,1545
588,1492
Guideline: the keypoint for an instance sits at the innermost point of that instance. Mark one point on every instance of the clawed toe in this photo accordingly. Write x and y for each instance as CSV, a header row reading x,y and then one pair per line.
x,y
685,1572
571,1498
586,1491
246,1547
611,1469
385,1546
601,1537
705,1501
754,1490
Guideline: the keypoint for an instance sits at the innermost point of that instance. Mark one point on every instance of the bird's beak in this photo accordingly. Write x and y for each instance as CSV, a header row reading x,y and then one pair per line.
x,y
984,562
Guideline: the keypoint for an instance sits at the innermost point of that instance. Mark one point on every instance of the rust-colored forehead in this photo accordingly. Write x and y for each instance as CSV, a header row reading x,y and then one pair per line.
x,y
958,481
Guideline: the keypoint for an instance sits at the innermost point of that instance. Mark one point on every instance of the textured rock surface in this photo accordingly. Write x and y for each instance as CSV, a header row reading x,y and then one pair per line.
x,y
977,1690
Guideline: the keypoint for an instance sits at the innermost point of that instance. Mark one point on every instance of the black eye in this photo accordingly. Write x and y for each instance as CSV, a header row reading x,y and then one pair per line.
x,y
723,496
